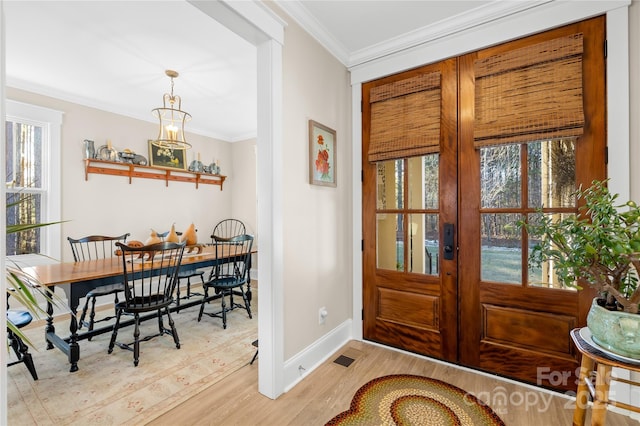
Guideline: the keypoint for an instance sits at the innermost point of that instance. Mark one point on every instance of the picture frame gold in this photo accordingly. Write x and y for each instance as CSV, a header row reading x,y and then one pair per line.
x,y
322,155
167,158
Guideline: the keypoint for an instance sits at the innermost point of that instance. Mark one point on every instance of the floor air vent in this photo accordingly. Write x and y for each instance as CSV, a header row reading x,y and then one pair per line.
x,y
344,361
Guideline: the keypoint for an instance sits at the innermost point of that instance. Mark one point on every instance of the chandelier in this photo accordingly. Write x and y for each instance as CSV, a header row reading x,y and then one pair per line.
x,y
172,120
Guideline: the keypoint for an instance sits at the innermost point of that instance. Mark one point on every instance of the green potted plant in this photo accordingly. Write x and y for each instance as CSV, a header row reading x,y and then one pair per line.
x,y
22,288
601,247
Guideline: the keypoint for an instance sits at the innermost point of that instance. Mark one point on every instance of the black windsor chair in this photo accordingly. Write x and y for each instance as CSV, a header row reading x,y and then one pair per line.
x,y
90,248
229,276
150,275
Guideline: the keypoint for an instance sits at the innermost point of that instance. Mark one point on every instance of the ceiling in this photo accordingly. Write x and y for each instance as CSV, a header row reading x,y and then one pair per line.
x,y
112,55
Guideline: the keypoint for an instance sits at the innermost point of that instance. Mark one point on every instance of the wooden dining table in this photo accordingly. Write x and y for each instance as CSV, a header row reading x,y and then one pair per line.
x,y
76,279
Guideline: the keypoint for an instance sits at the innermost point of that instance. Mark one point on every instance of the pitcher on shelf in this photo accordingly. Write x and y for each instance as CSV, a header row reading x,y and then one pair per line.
x,y
89,149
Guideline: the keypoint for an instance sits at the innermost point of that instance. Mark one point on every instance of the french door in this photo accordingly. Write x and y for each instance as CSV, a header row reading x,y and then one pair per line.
x,y
444,260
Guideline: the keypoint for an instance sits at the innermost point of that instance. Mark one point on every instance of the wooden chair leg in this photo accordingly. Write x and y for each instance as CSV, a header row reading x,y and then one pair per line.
x,y
161,328
204,301
136,340
84,313
22,353
174,332
92,315
254,343
114,335
224,311
28,362
246,303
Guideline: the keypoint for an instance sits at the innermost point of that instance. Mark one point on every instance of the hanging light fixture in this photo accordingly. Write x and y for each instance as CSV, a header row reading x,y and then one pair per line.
x,y
172,120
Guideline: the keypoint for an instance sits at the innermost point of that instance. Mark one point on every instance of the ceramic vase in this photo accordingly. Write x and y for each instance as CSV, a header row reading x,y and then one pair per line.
x,y
89,149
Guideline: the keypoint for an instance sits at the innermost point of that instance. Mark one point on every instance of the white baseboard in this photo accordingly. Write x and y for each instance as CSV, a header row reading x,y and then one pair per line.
x,y
310,358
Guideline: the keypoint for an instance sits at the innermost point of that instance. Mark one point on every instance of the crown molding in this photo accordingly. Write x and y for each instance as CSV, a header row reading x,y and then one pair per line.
x,y
310,24
481,15
114,109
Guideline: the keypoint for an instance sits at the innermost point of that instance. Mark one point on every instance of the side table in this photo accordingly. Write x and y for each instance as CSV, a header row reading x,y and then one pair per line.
x,y
596,362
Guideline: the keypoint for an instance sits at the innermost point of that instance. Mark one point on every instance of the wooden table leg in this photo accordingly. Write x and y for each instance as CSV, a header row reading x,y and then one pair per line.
x,y
582,394
599,411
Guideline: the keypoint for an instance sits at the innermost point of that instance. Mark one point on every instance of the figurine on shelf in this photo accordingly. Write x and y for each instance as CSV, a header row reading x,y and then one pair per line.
x,y
196,165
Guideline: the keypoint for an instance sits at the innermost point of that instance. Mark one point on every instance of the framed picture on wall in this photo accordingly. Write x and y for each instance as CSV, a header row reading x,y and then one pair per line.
x,y
322,154
167,158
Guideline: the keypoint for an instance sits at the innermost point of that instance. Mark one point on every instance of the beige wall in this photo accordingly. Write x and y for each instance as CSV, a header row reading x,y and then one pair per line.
x,y
243,187
316,224
110,205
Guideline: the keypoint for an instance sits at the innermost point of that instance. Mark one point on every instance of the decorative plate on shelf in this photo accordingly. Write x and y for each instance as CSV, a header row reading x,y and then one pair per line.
x,y
107,154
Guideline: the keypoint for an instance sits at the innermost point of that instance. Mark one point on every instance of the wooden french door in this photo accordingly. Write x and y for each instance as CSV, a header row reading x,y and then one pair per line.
x,y
445,264
410,288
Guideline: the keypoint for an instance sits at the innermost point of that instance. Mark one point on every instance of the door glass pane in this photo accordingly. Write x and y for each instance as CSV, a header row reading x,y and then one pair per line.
x,y
423,182
390,241
544,275
500,176
424,244
552,173
501,252
390,188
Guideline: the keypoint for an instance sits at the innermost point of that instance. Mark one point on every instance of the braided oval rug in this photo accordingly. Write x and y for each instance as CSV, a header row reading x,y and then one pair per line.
x,y
415,400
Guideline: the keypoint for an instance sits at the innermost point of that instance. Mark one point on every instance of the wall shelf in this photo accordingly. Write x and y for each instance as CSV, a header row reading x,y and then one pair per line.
x,y
102,167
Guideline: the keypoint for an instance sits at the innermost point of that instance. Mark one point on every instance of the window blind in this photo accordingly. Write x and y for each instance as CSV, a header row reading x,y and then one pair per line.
x,y
531,93
405,118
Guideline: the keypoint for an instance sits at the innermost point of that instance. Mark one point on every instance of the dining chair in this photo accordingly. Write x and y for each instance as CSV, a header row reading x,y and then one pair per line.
x,y
150,276
187,274
19,319
91,248
223,231
226,229
230,276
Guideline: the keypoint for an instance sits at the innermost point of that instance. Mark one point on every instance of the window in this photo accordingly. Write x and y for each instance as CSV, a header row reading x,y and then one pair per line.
x,y
33,178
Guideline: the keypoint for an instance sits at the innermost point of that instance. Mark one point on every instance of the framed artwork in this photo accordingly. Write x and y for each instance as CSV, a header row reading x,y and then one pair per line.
x,y
322,155
167,158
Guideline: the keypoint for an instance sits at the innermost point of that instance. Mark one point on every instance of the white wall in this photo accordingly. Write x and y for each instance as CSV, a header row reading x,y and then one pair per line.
x,y
109,205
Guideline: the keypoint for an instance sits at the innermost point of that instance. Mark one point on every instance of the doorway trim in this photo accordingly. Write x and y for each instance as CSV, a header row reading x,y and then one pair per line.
x,y
261,27
535,20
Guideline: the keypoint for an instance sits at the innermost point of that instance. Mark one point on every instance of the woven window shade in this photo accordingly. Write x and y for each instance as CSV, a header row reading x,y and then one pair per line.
x,y
405,118
528,94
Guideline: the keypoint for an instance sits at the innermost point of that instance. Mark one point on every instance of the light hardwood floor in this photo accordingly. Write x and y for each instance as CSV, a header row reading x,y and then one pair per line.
x,y
328,390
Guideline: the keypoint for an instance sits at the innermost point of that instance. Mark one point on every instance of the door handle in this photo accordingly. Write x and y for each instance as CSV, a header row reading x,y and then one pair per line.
x,y
448,241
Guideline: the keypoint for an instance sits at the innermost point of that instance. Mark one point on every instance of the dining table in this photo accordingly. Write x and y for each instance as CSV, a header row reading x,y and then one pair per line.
x,y
76,279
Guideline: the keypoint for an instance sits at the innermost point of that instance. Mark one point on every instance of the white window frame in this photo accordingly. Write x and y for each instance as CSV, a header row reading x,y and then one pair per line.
x,y
51,122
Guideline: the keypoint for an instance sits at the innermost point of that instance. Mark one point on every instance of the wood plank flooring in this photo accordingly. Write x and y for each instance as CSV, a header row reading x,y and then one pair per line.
x,y
328,390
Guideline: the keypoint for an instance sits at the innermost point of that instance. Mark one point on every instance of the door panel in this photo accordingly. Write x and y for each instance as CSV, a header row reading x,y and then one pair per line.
x,y
473,300
410,295
524,318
